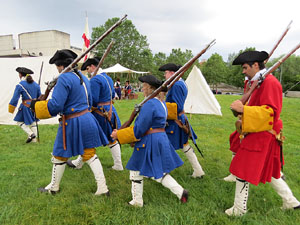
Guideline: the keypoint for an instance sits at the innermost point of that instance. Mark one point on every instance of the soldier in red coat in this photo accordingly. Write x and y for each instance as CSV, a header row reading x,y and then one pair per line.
x,y
259,157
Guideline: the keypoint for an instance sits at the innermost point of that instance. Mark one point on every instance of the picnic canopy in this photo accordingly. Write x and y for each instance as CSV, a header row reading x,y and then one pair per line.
x,y
121,69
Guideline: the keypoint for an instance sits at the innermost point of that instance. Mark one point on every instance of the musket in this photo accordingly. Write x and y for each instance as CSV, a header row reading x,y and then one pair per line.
x,y
258,82
52,83
166,84
102,58
278,42
36,123
41,70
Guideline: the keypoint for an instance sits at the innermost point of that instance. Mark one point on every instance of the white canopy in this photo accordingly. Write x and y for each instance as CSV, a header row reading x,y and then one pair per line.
x,y
10,78
120,69
200,99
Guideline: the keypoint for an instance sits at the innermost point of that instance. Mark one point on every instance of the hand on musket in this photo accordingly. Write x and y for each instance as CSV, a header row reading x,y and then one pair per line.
x,y
237,106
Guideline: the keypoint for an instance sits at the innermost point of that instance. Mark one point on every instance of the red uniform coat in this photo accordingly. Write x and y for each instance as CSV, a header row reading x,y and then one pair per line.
x,y
258,155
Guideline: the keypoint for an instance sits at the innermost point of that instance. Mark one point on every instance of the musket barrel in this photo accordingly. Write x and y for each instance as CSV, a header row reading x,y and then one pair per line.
x,y
103,57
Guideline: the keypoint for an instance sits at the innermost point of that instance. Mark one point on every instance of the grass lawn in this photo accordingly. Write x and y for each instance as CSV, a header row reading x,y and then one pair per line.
x,y
26,167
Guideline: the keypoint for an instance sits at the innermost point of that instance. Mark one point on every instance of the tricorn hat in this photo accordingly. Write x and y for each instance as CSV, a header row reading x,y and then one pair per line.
x,y
91,61
151,80
250,56
24,70
169,66
62,55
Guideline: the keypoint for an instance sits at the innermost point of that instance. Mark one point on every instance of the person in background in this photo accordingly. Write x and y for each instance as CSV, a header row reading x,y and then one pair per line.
x,y
177,135
117,86
79,132
127,89
259,156
28,89
153,154
102,108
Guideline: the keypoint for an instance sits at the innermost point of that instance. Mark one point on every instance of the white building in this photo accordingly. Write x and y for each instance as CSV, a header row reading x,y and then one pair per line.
x,y
38,43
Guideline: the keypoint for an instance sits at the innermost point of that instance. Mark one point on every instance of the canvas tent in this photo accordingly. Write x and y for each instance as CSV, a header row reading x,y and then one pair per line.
x,y
200,99
10,78
120,69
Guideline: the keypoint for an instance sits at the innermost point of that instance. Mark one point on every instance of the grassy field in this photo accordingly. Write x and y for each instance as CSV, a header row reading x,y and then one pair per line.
x,y
25,167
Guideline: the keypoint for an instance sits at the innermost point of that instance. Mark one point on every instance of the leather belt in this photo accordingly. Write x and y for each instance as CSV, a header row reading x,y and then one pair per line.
x,y
181,113
103,103
67,117
24,102
155,130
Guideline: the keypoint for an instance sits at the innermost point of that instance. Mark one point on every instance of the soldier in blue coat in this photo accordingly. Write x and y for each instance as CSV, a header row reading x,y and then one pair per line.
x,y
153,154
28,89
103,93
79,132
177,135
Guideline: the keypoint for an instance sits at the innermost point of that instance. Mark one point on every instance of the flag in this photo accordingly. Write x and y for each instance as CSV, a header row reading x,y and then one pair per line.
x,y
86,40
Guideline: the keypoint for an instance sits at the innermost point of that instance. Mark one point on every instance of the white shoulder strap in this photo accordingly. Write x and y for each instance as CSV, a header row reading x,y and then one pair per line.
x,y
25,91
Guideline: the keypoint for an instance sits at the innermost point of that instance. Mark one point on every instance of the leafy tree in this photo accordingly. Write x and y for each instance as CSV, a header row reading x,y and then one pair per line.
x,y
130,48
215,70
159,59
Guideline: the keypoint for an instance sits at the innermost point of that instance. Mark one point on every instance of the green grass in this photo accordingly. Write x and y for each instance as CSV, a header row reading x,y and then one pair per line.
x,y
25,167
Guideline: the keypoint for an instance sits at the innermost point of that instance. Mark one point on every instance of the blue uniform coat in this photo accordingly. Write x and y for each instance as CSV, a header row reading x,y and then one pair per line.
x,y
102,91
177,94
69,97
24,113
153,155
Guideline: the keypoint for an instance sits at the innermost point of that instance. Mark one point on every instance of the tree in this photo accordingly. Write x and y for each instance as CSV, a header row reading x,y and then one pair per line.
x,y
215,70
130,48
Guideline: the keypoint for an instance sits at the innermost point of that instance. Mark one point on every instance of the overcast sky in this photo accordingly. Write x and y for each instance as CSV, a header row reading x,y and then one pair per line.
x,y
168,24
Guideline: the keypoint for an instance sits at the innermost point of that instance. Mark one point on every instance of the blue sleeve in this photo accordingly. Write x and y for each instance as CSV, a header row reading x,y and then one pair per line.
x,y
95,90
178,96
144,120
59,96
14,100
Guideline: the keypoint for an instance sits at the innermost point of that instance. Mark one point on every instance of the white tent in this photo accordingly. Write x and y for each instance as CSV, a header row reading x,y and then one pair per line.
x,y
200,99
120,69
10,78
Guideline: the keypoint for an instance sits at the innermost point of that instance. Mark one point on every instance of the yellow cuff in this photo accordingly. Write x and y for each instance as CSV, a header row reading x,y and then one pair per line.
x,y
41,110
257,118
11,108
126,135
172,110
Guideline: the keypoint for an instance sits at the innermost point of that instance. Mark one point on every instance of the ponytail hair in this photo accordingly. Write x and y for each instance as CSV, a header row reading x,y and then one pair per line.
x,y
29,79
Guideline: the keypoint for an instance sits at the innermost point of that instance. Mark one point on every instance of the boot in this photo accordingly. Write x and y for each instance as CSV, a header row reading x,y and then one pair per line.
x,y
136,189
28,131
283,190
169,182
116,154
96,167
34,129
239,207
190,154
76,163
57,173
230,177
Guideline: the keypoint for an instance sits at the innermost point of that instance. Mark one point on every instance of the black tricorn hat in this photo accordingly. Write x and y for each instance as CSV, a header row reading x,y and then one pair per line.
x,y
169,66
24,70
150,79
91,61
250,56
62,55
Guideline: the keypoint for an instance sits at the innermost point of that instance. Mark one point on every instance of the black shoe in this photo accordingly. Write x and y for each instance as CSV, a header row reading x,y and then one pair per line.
x,y
44,190
297,207
32,136
185,196
70,164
